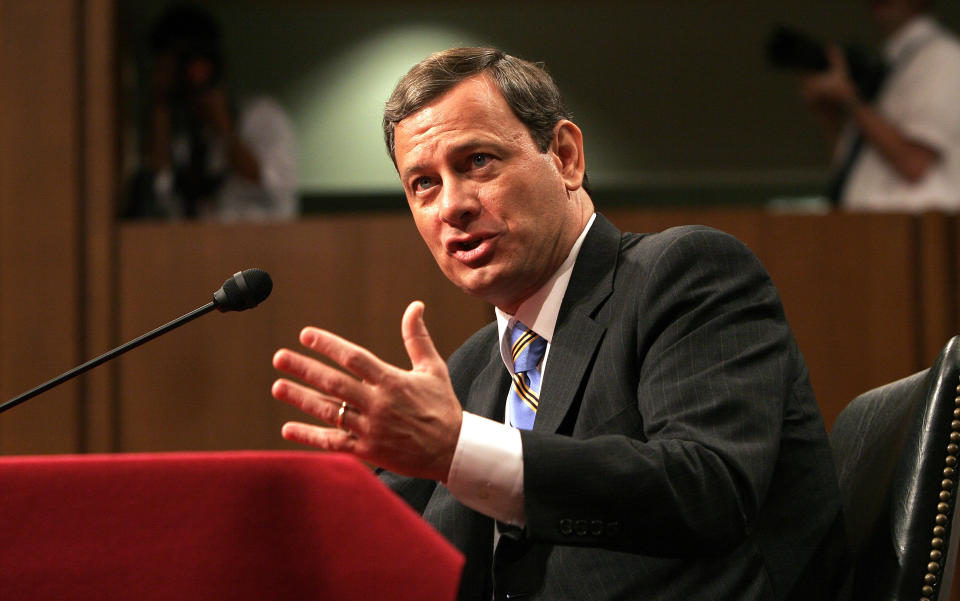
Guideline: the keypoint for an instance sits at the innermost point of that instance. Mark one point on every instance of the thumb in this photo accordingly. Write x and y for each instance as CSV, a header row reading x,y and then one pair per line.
x,y
420,348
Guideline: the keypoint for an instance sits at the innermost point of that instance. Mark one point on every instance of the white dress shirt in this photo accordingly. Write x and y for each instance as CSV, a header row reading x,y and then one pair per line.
x,y
921,97
267,132
487,469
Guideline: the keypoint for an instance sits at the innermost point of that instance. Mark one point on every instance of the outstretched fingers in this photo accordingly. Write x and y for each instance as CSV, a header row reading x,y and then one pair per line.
x,y
352,357
330,382
328,439
307,399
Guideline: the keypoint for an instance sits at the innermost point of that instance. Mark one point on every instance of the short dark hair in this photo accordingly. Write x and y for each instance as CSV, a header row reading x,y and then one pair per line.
x,y
186,28
527,87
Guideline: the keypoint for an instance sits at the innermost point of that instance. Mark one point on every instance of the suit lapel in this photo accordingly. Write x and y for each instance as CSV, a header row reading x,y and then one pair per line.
x,y
577,335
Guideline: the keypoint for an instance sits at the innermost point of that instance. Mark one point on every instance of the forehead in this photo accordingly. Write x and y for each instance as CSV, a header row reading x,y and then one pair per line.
x,y
474,109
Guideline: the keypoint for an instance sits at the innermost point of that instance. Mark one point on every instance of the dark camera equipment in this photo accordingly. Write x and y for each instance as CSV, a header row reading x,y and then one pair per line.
x,y
188,84
789,48
190,34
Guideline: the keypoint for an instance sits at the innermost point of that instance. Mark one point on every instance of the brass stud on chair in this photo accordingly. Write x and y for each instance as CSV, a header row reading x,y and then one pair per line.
x,y
944,508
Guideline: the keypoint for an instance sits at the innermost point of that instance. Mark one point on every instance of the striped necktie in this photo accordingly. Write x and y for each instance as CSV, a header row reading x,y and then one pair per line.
x,y
527,349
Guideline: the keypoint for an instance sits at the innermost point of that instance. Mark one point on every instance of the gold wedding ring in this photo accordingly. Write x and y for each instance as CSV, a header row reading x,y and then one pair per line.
x,y
340,413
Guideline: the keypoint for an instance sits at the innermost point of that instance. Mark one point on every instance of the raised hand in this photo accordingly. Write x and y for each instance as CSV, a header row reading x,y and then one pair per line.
x,y
407,421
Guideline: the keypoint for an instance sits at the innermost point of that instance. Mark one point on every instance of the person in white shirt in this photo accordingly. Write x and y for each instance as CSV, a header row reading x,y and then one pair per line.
x,y
676,450
206,156
900,152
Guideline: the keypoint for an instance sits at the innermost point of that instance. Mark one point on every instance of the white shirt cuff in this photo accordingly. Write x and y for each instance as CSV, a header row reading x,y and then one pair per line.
x,y
487,469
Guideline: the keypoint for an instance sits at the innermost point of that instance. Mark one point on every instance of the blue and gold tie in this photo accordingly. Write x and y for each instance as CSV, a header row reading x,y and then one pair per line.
x,y
527,350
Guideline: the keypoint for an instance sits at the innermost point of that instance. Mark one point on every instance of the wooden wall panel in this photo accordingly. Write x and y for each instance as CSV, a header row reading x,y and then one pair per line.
x,y
99,187
937,268
39,223
206,385
848,288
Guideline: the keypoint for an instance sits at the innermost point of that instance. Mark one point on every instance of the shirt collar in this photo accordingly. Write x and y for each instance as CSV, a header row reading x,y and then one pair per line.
x,y
540,311
913,33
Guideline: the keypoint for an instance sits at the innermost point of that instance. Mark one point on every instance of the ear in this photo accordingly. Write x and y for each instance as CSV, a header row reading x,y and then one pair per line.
x,y
567,148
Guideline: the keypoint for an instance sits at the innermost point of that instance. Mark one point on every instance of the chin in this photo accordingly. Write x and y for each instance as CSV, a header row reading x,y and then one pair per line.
x,y
474,290
476,285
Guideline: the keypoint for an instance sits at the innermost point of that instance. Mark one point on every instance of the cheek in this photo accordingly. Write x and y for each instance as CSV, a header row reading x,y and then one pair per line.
x,y
429,227
507,200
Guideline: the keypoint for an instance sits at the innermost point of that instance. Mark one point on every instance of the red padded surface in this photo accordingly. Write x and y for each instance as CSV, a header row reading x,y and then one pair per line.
x,y
231,525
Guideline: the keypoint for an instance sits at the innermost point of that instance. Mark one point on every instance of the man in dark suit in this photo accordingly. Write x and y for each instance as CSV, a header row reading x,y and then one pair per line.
x,y
676,449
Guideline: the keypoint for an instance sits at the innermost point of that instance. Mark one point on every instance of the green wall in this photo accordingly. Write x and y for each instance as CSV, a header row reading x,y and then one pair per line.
x,y
672,96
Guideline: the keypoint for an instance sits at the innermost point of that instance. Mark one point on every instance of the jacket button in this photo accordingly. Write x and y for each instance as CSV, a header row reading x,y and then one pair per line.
x,y
566,527
596,528
581,527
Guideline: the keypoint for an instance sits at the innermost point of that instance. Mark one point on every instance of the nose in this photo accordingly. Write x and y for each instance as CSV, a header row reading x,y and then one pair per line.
x,y
460,203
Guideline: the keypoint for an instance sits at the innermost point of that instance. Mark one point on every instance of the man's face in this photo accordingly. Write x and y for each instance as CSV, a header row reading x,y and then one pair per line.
x,y
492,208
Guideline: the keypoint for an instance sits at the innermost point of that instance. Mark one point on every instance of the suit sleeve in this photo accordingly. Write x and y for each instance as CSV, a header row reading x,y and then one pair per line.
x,y
684,467
415,491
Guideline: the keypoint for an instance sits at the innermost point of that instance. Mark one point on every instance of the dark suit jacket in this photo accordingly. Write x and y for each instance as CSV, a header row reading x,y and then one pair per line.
x,y
678,452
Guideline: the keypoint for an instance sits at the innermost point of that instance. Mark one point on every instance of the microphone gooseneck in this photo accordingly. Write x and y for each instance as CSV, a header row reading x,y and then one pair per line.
x,y
245,290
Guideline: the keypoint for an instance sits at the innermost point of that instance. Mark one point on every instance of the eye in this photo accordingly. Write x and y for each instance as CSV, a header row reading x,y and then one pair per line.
x,y
479,159
422,183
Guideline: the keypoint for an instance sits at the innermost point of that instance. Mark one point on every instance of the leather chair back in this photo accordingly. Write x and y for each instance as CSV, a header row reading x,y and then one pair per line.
x,y
897,449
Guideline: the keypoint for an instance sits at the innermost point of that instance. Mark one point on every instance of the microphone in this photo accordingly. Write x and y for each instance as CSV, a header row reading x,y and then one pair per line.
x,y
245,290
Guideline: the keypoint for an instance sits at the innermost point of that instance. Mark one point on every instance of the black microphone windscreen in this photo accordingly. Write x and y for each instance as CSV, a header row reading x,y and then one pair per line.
x,y
245,290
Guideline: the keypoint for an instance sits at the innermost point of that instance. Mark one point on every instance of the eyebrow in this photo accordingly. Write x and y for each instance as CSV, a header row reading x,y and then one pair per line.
x,y
459,148
411,170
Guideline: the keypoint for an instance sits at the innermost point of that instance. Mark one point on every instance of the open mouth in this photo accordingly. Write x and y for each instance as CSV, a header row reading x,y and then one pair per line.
x,y
473,251
468,245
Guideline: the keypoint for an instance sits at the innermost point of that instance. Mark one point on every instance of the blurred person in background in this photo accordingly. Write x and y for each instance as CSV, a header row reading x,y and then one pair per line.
x,y
205,156
900,151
